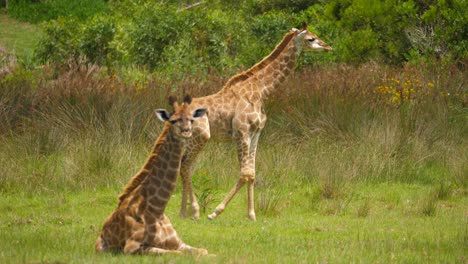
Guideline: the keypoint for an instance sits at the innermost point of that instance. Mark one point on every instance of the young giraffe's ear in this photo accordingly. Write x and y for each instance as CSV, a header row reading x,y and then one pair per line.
x,y
197,113
188,99
304,25
162,114
172,101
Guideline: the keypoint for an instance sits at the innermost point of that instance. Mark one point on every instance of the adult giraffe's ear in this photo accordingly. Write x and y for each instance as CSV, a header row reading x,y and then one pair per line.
x,y
304,25
197,113
162,114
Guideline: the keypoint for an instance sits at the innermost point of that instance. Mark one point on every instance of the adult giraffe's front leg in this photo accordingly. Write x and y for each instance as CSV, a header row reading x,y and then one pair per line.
x,y
251,180
187,166
246,149
186,172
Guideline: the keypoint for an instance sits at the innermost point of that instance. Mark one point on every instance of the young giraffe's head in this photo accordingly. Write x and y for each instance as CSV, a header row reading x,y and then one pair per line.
x,y
181,118
310,41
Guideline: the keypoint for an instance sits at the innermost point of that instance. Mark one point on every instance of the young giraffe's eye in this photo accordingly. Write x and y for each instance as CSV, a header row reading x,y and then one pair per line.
x,y
311,40
173,121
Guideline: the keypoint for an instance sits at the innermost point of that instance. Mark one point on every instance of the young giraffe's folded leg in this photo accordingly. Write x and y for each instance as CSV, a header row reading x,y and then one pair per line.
x,y
135,247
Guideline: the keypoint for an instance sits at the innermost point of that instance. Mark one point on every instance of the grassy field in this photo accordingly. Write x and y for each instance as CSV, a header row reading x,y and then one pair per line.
x,y
356,165
17,37
379,223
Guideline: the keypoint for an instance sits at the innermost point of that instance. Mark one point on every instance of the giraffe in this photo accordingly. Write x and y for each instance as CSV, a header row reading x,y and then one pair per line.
x,y
139,225
237,112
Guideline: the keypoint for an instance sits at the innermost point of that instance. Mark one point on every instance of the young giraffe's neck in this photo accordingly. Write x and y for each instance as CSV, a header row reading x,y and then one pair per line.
x,y
157,178
164,168
270,73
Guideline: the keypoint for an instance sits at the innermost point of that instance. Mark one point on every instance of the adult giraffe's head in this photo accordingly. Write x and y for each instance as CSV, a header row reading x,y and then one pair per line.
x,y
309,41
181,118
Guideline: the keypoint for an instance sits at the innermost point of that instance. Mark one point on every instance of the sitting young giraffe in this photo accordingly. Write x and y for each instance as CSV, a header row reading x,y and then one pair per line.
x,y
236,111
139,224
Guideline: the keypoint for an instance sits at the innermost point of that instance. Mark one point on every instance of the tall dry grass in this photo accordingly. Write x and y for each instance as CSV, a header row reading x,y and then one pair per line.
x,y
327,126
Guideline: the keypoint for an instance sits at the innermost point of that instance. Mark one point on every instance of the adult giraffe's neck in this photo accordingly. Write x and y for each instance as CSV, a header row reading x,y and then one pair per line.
x,y
271,71
273,76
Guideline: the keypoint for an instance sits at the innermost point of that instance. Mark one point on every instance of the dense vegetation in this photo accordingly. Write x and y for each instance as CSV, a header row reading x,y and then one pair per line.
x,y
226,35
370,141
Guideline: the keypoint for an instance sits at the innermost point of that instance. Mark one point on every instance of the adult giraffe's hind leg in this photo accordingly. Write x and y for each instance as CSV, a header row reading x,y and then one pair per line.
x,y
246,149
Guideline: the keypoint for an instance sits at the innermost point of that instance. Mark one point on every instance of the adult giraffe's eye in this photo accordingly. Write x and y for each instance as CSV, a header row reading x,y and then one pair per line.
x,y
173,121
311,40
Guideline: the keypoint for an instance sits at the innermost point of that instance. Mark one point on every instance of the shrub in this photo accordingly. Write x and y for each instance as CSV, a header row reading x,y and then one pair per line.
x,y
96,38
152,28
163,37
60,42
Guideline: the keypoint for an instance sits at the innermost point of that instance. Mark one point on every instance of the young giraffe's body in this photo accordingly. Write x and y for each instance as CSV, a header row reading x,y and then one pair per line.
x,y
237,112
139,224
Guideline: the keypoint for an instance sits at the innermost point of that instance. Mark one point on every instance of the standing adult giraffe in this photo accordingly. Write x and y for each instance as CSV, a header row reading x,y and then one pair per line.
x,y
236,111
139,225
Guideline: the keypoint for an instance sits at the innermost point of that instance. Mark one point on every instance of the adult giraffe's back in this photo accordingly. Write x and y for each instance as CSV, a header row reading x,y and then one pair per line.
x,y
236,111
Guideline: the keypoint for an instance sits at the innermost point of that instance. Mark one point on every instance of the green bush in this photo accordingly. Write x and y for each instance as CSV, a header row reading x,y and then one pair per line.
x,y
443,26
60,41
96,39
167,38
393,31
151,29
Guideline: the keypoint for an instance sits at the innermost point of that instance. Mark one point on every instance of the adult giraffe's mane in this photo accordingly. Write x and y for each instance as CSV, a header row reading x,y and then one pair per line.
x,y
143,173
265,61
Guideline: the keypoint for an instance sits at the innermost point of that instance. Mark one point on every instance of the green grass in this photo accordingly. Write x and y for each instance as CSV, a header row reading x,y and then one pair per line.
x,y
62,227
17,37
53,209
40,11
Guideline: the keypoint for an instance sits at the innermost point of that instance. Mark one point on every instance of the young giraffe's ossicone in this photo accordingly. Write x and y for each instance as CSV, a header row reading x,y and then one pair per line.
x,y
237,112
139,225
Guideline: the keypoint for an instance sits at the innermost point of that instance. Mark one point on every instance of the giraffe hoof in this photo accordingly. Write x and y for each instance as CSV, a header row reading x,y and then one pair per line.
x,y
252,217
196,216
202,251
212,216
